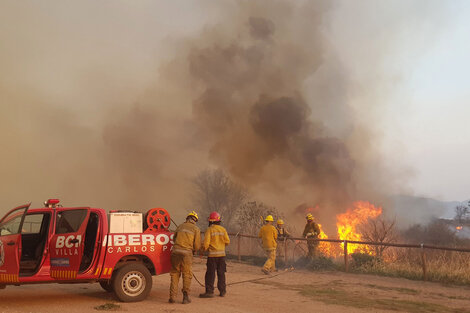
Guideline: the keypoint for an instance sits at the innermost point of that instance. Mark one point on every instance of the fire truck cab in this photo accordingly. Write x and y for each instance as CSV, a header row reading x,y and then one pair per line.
x,y
54,244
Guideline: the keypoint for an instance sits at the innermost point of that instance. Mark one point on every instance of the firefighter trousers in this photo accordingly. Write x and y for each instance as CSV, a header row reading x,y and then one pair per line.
x,y
215,265
312,248
181,265
270,264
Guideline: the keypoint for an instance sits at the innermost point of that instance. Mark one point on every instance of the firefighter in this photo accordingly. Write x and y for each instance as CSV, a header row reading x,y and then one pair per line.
x,y
268,234
215,241
187,239
282,235
311,231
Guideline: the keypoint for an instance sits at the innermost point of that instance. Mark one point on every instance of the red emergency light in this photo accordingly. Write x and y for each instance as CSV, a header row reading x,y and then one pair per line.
x,y
51,202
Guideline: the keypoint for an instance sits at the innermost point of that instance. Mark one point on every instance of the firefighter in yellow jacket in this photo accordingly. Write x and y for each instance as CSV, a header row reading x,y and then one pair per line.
x,y
268,234
215,241
186,240
311,231
282,235
282,232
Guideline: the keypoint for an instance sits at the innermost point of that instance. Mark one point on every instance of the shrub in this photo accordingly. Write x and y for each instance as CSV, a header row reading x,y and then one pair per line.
x,y
320,263
362,259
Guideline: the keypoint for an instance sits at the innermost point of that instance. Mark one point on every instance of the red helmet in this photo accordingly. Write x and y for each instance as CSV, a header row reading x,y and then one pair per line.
x,y
214,217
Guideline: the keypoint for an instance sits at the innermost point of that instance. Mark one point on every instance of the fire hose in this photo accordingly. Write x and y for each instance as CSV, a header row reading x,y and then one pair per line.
x,y
250,280
291,269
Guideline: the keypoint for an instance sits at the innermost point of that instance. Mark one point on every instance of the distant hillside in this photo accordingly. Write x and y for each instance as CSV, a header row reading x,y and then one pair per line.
x,y
411,210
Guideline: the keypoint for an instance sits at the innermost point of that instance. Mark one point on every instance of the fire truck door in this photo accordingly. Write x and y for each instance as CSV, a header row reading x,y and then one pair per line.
x,y
10,244
66,246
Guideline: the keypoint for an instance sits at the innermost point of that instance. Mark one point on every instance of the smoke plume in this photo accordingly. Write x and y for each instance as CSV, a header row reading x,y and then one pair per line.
x,y
118,113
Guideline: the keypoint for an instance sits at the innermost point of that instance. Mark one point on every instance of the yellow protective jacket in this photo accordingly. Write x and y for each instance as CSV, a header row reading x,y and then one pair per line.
x,y
311,230
215,240
282,233
268,234
187,238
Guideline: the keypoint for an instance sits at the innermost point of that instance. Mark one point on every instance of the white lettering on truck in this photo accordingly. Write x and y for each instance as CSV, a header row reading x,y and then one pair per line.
x,y
66,241
137,242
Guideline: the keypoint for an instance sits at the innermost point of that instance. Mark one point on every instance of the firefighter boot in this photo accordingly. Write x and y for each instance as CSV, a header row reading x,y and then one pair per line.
x,y
186,299
206,295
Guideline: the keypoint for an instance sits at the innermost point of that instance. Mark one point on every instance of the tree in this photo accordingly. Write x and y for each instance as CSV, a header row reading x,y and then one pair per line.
x,y
250,217
461,213
379,230
215,191
438,232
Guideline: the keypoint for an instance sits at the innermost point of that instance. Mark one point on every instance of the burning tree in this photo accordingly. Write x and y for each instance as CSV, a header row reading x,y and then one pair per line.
x,y
379,230
349,223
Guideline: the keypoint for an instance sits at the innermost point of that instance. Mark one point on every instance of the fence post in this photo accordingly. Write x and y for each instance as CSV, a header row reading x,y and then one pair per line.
x,y
346,256
423,261
239,248
285,251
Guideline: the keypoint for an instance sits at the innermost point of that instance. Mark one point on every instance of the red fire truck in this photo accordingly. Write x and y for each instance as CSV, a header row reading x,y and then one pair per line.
x,y
53,244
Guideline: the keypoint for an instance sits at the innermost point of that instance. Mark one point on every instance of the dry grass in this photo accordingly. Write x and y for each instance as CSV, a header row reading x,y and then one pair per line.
x,y
442,266
445,267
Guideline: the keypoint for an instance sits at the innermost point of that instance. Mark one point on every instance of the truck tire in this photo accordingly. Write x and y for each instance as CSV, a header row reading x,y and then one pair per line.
x,y
132,282
3,286
106,285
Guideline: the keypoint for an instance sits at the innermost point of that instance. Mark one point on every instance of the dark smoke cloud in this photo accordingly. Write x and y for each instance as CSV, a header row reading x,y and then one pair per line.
x,y
253,111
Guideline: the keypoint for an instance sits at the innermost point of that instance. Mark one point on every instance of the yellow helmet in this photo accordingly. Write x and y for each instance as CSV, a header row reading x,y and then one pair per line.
x,y
193,214
269,218
280,222
309,217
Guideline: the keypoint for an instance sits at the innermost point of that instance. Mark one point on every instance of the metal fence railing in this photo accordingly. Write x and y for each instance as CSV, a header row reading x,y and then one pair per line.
x,y
284,245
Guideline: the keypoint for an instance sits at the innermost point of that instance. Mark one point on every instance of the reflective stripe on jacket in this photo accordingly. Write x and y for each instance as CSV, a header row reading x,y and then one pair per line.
x,y
187,238
268,234
215,240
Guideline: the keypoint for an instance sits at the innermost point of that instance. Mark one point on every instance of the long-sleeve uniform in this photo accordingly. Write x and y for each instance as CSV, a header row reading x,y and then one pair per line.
x,y
186,240
215,241
268,234
311,231
282,235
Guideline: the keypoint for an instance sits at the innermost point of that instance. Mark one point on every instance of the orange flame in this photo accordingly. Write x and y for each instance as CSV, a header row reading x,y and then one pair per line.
x,y
324,247
347,223
348,227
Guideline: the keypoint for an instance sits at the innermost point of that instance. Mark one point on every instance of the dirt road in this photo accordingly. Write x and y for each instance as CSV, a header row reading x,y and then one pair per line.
x,y
298,291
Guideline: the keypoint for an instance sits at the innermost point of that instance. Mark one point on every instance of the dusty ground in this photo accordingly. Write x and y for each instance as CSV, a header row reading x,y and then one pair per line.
x,y
298,291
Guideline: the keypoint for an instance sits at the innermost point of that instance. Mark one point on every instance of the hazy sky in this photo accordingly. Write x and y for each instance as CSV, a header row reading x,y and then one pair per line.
x,y
82,56
426,87
434,125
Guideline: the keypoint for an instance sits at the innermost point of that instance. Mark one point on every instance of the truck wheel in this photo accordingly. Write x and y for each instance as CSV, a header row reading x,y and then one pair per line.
x,y
132,282
106,285
3,286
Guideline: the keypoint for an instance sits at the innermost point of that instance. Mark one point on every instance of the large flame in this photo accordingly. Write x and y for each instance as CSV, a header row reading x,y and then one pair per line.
x,y
324,247
348,222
